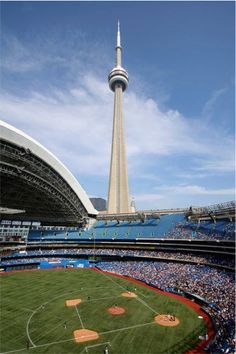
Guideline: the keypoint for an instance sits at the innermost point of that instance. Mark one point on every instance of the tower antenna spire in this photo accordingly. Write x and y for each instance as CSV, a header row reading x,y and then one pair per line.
x,y
118,35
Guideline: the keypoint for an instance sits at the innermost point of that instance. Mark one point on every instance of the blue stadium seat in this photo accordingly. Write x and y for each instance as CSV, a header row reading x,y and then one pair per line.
x,y
167,225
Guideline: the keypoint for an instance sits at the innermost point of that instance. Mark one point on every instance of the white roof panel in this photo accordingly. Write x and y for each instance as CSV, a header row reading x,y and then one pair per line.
x,y
16,136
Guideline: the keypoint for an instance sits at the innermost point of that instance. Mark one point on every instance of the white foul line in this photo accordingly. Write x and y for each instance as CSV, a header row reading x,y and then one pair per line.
x,y
14,351
137,298
79,316
145,304
130,327
95,345
103,298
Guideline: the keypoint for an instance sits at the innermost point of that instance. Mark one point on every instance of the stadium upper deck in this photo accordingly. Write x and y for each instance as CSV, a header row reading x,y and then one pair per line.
x,y
174,226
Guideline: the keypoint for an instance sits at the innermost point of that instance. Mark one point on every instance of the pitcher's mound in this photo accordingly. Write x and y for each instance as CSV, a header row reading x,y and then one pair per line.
x,y
167,320
73,302
85,335
129,294
115,310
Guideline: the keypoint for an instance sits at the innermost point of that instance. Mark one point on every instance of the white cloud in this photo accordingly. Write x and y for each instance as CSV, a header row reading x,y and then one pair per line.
x,y
209,106
77,125
19,58
223,164
149,197
75,129
182,196
152,131
67,54
196,190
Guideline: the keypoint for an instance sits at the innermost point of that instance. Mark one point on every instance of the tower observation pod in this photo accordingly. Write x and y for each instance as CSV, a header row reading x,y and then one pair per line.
x,y
118,195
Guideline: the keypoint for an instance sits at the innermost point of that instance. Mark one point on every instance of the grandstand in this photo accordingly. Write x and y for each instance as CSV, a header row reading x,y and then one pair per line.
x,y
213,212
165,232
113,230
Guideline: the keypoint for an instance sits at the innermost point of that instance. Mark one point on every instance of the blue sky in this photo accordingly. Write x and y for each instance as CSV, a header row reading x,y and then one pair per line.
x,y
178,109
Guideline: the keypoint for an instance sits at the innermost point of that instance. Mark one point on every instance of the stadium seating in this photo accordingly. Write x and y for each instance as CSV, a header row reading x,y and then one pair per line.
x,y
171,226
156,228
221,229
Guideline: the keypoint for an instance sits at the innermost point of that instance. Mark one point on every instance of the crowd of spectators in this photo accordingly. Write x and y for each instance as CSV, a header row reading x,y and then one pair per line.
x,y
189,230
18,261
229,228
180,256
213,285
30,260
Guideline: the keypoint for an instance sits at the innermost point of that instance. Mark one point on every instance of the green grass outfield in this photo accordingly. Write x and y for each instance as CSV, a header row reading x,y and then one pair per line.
x,y
24,319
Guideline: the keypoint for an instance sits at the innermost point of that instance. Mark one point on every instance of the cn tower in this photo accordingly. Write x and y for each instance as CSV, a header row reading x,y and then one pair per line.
x,y
118,195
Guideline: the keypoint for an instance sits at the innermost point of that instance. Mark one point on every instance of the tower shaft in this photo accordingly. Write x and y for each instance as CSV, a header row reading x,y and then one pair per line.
x,y
118,196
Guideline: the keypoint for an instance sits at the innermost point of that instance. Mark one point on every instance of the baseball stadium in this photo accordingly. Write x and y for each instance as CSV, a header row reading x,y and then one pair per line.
x,y
77,281
113,281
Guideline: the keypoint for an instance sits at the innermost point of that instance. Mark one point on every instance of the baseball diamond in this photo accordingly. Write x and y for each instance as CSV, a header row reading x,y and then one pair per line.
x,y
35,313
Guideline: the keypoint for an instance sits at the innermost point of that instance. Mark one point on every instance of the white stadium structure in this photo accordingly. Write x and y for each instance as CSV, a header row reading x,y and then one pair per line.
x,y
37,183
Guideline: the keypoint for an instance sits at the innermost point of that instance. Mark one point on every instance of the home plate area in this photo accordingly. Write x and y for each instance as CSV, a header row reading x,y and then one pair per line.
x,y
167,320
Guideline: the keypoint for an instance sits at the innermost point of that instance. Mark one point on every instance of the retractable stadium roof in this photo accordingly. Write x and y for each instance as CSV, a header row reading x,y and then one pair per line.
x,y
34,180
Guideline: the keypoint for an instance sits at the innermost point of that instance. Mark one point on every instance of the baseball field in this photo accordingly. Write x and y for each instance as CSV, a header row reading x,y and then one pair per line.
x,y
85,311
